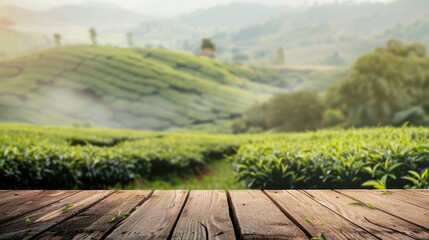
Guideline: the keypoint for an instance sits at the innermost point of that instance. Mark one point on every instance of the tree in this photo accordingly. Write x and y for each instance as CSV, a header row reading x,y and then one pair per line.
x,y
57,38
297,111
207,48
130,39
208,44
387,86
280,57
333,117
6,22
93,35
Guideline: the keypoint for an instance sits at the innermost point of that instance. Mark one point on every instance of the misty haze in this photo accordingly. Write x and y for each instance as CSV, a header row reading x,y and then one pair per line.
x,y
167,96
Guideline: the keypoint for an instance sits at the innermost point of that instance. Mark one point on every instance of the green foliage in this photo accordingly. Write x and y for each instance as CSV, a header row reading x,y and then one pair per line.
x,y
69,158
368,205
388,86
296,111
332,117
208,44
379,158
320,237
418,180
93,35
126,88
80,158
57,38
121,217
67,207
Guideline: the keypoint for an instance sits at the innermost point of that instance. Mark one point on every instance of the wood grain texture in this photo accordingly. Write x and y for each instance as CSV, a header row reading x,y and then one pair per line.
x,y
31,202
14,196
94,222
289,214
259,218
205,216
424,192
154,219
396,207
48,216
316,218
3,192
375,221
405,196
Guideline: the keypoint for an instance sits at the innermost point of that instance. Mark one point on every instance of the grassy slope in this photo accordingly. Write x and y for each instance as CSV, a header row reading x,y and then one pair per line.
x,y
302,79
216,175
123,88
13,42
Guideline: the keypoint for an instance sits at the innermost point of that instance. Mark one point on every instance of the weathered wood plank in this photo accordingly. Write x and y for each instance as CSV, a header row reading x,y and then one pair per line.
x,y
391,205
46,217
94,222
316,218
424,192
405,196
258,217
3,192
30,203
154,219
205,216
375,221
13,196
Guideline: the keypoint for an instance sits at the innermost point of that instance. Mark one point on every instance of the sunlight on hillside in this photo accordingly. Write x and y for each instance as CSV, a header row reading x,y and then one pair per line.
x,y
214,94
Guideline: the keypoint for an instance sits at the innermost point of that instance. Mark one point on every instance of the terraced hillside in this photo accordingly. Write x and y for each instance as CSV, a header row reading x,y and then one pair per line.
x,y
13,42
124,88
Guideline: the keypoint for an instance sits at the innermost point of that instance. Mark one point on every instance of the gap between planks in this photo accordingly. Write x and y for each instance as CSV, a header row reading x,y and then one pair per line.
x,y
234,205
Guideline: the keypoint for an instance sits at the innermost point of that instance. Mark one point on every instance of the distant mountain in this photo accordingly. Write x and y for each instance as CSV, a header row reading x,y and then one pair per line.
x,y
189,29
416,31
333,22
83,14
232,15
344,26
25,17
94,15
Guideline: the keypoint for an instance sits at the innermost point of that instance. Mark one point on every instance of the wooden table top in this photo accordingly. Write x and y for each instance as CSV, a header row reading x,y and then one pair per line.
x,y
214,214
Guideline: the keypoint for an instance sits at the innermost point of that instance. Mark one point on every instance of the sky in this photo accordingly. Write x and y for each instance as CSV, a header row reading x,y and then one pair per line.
x,y
159,6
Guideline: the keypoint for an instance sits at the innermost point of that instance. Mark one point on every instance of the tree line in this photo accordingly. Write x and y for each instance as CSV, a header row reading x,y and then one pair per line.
x,y
386,87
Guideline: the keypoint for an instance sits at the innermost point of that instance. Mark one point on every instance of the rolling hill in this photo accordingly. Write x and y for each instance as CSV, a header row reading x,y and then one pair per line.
x,y
232,15
416,31
315,33
14,42
124,88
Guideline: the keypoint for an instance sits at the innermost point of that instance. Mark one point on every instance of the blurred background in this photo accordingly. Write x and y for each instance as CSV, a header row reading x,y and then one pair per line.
x,y
60,57
181,70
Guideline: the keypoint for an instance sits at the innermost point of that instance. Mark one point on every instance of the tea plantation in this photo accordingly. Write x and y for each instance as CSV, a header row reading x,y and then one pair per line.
x,y
125,88
69,157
